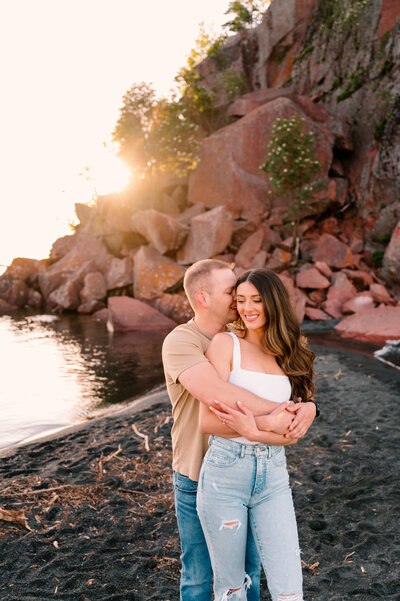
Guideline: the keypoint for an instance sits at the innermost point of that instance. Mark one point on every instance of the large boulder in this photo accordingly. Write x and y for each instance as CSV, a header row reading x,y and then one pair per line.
x,y
250,248
210,233
374,325
61,247
339,293
23,268
174,306
311,278
362,302
94,287
229,174
380,294
61,283
153,274
118,272
332,251
126,314
163,232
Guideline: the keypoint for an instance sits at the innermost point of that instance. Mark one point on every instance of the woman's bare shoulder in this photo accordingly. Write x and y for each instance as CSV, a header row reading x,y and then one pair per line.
x,y
221,342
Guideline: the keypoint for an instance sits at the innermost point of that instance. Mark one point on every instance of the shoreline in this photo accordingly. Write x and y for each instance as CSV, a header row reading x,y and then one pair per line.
x,y
134,406
319,334
99,506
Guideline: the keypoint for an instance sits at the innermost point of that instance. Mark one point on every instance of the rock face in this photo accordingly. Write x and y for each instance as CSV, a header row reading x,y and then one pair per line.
x,y
140,241
311,278
374,325
229,173
163,232
210,234
126,314
154,274
333,252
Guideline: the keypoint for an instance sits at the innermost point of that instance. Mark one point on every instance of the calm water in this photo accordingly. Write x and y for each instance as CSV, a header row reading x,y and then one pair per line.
x,y
56,371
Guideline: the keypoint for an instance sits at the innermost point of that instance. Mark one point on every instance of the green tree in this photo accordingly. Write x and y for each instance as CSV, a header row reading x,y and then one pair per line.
x,y
291,165
156,135
133,126
245,14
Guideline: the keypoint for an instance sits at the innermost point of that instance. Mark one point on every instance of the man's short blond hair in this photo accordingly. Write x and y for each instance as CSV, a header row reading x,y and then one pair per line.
x,y
198,277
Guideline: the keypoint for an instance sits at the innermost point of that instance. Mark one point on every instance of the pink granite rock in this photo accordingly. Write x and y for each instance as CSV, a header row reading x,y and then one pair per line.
x,y
324,269
361,279
250,248
333,252
362,302
18,293
316,314
228,172
340,292
259,260
91,306
87,254
174,306
210,234
187,215
271,237
118,272
279,259
94,287
153,273
242,230
374,325
380,294
162,231
311,278
390,11
126,314
6,308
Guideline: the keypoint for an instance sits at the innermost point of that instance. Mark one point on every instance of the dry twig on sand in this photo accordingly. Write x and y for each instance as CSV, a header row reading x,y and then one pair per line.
x,y
15,516
144,436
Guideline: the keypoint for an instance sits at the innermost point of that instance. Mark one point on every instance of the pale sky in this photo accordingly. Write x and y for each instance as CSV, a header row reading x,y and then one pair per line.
x,y
66,65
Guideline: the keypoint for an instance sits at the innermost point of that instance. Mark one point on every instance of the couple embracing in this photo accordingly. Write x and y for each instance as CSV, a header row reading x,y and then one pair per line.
x,y
232,377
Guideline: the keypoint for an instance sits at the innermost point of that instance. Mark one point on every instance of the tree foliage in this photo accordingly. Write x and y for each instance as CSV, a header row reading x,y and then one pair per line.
x,y
156,135
163,135
245,14
291,164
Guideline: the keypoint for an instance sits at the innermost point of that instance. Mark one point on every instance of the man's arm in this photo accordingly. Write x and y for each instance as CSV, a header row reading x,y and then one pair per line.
x,y
208,383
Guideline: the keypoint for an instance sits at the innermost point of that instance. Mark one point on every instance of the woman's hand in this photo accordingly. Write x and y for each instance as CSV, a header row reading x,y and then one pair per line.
x,y
241,420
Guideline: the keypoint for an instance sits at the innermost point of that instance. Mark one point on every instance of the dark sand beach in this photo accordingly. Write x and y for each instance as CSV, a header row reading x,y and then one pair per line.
x,y
99,507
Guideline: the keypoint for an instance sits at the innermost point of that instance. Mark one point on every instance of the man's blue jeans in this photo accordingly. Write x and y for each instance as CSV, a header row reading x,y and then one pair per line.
x,y
196,573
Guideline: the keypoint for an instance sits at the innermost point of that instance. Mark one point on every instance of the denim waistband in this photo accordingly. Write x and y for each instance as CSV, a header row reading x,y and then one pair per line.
x,y
245,449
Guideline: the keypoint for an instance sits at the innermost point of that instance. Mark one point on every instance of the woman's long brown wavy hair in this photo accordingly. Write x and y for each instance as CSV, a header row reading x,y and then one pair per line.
x,y
282,334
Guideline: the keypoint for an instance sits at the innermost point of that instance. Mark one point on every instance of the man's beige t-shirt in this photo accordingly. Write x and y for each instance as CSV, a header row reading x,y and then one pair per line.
x,y
184,347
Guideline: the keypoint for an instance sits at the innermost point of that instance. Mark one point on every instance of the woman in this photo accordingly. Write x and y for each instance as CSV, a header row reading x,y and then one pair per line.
x,y
244,481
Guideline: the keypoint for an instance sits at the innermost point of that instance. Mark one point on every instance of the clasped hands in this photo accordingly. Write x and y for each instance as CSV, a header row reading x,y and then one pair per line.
x,y
292,420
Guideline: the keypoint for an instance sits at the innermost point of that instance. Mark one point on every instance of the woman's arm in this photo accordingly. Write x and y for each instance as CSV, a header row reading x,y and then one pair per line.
x,y
274,425
243,422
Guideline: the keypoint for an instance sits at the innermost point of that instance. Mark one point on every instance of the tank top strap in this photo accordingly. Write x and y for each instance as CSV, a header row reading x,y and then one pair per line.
x,y
236,358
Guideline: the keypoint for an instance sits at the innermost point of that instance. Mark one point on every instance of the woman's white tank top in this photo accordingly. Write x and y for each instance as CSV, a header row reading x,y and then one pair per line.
x,y
274,387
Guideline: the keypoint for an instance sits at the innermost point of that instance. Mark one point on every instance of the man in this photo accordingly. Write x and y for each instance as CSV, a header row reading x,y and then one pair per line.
x,y
190,378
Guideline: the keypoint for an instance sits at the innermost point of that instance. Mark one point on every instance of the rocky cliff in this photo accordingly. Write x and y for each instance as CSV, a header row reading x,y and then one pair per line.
x,y
336,64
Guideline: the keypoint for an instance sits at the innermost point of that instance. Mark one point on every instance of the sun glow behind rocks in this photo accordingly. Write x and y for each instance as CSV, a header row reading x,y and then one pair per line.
x,y
67,66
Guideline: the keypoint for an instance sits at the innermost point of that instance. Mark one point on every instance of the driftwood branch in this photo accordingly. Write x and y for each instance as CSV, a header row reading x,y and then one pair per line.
x,y
144,436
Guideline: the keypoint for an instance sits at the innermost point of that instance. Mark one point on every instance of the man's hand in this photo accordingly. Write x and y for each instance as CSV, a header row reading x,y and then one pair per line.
x,y
304,417
277,421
